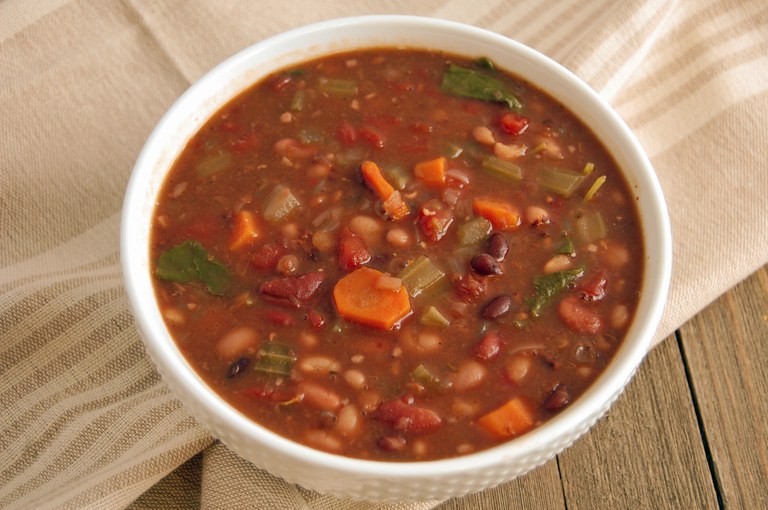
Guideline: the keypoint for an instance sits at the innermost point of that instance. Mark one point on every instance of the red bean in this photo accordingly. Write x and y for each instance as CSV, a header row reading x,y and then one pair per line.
x,y
578,317
500,305
237,368
301,287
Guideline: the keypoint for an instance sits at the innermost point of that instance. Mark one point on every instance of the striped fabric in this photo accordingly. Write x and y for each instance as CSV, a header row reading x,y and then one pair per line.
x,y
85,421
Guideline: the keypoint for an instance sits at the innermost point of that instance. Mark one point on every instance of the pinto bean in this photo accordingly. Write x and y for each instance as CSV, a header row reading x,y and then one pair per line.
x,y
469,375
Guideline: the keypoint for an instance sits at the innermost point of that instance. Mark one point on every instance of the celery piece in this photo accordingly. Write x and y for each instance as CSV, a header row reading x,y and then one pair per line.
x,y
298,100
424,376
474,231
396,176
274,358
433,317
560,180
549,285
280,203
213,164
589,228
565,247
338,87
502,169
419,275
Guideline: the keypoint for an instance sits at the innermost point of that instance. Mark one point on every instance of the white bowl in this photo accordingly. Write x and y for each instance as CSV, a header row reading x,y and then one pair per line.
x,y
374,480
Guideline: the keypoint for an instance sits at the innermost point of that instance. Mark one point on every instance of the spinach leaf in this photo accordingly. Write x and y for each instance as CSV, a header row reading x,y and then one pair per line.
x,y
464,82
549,285
189,262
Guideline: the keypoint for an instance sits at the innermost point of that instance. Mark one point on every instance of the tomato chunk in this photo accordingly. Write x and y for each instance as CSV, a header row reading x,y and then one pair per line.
x,y
579,317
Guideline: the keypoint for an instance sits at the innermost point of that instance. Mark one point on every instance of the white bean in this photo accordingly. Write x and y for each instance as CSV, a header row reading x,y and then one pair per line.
x,y
323,440
428,341
619,316
398,237
355,378
616,255
367,227
469,375
319,396
536,215
348,421
174,316
483,135
369,400
236,341
320,365
518,367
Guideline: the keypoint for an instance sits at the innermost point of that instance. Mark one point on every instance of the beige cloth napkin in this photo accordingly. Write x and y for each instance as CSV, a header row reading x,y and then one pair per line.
x,y
85,421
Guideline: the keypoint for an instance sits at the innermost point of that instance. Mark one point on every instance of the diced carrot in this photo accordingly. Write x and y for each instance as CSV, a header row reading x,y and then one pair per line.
x,y
392,202
431,172
511,419
502,215
359,298
375,180
245,230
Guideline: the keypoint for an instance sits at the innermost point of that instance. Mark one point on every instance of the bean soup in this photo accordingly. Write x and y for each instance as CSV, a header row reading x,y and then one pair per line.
x,y
397,254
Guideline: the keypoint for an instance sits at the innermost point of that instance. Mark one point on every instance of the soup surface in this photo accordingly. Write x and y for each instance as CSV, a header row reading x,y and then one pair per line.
x,y
396,254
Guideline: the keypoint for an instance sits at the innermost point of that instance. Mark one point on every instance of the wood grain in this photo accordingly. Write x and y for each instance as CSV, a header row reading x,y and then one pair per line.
x,y
647,453
726,348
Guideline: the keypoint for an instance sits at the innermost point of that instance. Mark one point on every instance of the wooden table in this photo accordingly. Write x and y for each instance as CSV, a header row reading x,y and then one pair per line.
x,y
690,431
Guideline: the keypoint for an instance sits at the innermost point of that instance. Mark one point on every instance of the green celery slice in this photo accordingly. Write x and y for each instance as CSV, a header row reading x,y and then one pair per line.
x,y
420,274
502,169
280,203
589,228
560,180
474,231
275,358
338,87
433,317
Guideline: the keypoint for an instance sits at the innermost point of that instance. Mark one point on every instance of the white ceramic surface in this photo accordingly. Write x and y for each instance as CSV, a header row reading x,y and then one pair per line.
x,y
342,476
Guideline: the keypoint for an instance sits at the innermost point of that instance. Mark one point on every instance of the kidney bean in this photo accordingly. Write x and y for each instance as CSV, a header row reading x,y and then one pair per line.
x,y
238,367
578,317
405,417
558,398
301,287
484,264
488,346
497,247
500,305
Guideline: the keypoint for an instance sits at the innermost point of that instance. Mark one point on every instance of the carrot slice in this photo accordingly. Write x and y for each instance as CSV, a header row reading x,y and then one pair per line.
x,y
358,297
511,419
245,231
502,215
431,172
392,202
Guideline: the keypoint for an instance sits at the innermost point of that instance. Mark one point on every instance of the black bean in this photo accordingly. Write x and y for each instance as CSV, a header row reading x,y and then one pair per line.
x,y
498,306
484,264
558,399
497,246
238,367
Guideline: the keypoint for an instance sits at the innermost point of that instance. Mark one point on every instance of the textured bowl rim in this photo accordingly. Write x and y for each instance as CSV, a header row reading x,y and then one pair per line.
x,y
173,366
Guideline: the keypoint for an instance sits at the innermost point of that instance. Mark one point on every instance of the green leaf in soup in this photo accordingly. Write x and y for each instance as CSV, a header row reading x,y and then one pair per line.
x,y
189,262
178,263
549,285
213,274
464,82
